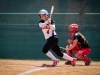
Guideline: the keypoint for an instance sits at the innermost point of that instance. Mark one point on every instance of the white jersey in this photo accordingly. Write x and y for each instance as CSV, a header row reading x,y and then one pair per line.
x,y
47,32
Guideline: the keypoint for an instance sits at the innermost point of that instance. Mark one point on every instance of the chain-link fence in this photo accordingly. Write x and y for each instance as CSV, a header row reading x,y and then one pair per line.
x,y
21,38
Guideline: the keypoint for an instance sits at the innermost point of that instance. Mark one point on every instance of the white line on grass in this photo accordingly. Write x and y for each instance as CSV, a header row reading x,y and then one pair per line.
x,y
30,71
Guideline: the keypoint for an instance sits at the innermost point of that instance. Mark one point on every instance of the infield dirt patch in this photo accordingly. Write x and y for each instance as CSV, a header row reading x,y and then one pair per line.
x,y
15,67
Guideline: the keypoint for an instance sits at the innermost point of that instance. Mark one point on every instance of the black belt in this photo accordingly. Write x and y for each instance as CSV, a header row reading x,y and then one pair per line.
x,y
53,37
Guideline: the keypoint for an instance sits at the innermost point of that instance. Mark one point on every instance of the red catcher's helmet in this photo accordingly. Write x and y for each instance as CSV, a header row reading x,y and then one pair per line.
x,y
73,28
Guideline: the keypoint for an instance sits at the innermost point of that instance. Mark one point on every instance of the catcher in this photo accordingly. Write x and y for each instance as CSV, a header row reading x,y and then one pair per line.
x,y
77,44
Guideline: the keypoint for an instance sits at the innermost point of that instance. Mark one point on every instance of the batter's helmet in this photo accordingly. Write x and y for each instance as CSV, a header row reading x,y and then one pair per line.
x,y
43,11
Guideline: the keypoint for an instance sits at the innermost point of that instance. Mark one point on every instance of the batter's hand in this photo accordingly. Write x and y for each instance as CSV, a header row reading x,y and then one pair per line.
x,y
49,21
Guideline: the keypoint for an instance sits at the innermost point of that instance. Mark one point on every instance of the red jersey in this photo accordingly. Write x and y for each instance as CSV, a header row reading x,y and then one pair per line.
x,y
82,42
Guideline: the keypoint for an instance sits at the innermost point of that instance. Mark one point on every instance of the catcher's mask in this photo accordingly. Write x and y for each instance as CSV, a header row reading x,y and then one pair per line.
x,y
73,28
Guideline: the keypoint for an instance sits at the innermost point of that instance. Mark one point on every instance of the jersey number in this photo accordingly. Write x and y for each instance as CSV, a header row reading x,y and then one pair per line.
x,y
48,31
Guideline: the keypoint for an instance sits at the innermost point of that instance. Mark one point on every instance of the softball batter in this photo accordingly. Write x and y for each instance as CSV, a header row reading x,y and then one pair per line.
x,y
48,28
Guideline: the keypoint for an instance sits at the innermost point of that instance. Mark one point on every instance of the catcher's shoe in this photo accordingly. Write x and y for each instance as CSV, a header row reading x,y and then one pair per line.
x,y
87,63
68,63
74,61
55,62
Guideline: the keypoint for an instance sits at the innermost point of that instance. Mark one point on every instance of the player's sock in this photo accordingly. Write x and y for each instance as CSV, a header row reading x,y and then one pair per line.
x,y
65,56
49,54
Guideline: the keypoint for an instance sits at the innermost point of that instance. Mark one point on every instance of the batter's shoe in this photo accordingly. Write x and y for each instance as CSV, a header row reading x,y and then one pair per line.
x,y
55,62
74,61
87,63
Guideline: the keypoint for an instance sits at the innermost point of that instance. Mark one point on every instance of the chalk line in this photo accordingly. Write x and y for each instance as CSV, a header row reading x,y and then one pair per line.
x,y
30,71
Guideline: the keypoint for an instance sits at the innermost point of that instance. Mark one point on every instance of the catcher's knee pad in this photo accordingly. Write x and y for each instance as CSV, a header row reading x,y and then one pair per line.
x,y
79,55
70,53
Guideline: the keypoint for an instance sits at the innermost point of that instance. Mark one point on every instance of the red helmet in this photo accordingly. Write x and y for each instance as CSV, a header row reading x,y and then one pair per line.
x,y
73,28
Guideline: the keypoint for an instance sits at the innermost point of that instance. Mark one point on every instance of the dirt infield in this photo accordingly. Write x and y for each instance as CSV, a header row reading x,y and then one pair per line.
x,y
33,67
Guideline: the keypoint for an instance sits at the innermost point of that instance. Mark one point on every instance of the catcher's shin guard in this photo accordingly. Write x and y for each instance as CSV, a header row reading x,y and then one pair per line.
x,y
84,58
87,63
70,53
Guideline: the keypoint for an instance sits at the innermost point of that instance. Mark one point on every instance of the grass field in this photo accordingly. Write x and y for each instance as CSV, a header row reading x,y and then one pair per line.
x,y
43,67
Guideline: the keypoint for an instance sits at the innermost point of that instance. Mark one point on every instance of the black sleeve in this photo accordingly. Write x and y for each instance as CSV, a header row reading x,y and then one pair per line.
x,y
82,41
77,36
41,21
52,22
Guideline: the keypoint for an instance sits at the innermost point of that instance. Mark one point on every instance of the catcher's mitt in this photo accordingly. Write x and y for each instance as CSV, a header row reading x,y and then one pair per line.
x,y
63,50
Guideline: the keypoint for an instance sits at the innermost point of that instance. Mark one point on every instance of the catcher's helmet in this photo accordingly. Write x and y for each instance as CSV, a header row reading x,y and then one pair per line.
x,y
73,28
43,11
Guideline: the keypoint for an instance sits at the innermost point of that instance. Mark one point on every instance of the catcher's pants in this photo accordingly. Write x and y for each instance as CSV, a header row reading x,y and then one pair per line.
x,y
81,54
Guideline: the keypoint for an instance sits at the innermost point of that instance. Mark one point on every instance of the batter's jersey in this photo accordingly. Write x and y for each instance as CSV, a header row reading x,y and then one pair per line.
x,y
81,40
47,32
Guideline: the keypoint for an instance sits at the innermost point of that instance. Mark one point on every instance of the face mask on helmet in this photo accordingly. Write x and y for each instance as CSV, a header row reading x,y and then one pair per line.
x,y
43,11
73,28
